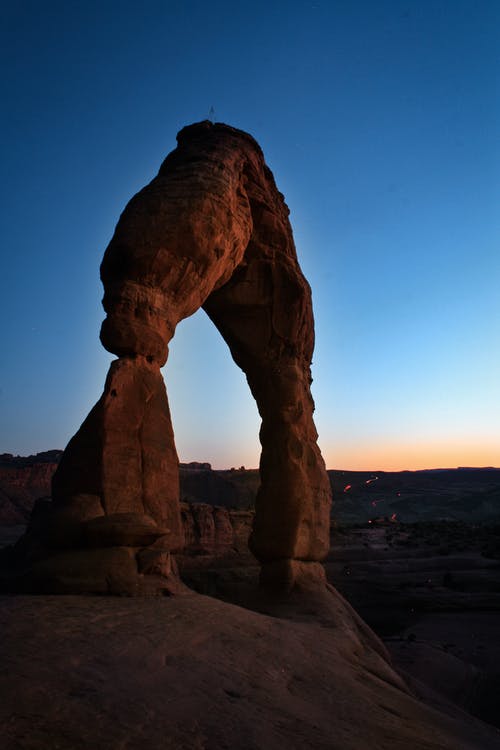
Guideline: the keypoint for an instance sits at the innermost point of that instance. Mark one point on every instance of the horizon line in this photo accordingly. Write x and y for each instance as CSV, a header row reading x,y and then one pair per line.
x,y
343,469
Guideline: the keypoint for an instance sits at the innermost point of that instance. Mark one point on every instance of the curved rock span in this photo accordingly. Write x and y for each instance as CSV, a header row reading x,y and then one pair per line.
x,y
211,230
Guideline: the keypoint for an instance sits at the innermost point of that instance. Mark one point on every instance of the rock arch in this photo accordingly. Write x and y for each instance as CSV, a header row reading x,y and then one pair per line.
x,y
211,230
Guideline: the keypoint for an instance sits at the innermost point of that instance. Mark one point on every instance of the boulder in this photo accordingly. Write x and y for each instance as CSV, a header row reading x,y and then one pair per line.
x,y
121,530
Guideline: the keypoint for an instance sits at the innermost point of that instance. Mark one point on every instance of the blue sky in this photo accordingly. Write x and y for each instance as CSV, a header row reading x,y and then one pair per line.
x,y
380,121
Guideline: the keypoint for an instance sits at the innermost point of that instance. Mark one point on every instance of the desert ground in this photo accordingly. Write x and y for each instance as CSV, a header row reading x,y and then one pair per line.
x,y
401,649
239,669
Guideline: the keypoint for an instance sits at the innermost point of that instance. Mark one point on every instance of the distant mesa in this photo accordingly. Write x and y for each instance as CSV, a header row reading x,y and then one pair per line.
x,y
211,230
195,466
45,457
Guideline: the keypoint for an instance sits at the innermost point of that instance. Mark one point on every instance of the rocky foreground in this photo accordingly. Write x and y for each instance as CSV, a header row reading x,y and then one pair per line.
x,y
192,672
234,669
238,670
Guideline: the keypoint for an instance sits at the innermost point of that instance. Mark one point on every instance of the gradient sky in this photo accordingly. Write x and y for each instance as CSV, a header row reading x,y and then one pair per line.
x,y
380,120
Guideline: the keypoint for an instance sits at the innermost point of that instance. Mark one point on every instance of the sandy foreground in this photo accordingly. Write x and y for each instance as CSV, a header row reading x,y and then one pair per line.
x,y
195,673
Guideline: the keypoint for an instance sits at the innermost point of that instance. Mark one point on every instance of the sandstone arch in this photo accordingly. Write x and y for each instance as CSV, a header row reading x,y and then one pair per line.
x,y
211,230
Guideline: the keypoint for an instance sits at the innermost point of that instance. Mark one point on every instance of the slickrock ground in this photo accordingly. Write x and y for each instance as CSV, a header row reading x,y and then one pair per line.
x,y
193,673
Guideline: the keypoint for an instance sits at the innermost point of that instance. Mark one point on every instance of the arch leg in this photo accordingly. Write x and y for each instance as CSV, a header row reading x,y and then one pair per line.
x,y
264,313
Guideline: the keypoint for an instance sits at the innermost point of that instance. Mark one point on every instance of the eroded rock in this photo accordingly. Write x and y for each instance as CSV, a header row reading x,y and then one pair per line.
x,y
122,530
211,230
208,529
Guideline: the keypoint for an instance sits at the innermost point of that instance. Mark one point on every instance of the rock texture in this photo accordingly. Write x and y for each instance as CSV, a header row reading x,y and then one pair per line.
x,y
212,231
194,672
215,531
124,452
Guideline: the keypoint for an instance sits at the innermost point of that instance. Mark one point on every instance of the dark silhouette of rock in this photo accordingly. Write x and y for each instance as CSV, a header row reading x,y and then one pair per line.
x,y
212,231
195,466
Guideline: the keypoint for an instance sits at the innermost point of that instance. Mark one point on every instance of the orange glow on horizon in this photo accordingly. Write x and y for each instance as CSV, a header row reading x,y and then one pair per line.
x,y
372,456
411,456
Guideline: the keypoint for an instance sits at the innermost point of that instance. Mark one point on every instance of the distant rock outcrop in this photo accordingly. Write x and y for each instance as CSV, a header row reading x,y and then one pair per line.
x,y
212,231
195,466
215,531
23,479
234,488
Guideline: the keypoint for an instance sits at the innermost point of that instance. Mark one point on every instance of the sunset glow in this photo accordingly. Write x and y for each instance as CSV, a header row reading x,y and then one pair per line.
x,y
401,456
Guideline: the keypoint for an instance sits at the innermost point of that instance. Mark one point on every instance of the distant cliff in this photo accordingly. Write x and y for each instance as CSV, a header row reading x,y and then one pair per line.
x,y
22,480
359,497
231,488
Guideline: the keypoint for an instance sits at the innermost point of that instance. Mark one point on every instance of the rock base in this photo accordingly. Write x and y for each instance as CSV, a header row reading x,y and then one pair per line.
x,y
288,575
123,554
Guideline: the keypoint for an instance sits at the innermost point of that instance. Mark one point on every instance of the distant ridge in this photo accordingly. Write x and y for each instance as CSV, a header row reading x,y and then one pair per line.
x,y
465,493
463,468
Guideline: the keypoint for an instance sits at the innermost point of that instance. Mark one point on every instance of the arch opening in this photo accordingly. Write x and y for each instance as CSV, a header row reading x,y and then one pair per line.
x,y
214,415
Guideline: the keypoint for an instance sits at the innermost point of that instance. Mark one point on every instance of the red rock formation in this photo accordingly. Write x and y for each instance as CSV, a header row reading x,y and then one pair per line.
x,y
23,479
210,230
124,452
209,530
